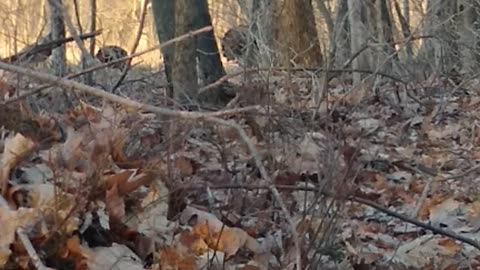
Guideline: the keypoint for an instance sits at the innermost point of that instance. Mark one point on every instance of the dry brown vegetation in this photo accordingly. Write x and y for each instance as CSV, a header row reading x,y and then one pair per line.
x,y
316,163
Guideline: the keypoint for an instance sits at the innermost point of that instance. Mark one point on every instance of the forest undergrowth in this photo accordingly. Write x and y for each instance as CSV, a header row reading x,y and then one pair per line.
x,y
373,178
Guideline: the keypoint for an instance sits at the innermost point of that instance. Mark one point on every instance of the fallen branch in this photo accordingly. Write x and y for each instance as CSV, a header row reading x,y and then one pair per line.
x,y
45,48
432,228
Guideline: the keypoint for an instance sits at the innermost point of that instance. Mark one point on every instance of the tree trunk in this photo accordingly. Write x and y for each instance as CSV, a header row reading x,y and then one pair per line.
x,y
358,39
404,18
184,72
256,37
174,18
164,17
341,33
295,34
57,31
88,78
439,54
209,61
381,27
469,35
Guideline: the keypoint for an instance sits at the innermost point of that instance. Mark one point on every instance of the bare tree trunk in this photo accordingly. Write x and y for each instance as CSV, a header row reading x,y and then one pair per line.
x,y
261,33
341,33
88,78
358,39
406,11
469,35
209,61
327,16
57,31
184,73
439,54
295,34
381,27
404,17
164,16
173,17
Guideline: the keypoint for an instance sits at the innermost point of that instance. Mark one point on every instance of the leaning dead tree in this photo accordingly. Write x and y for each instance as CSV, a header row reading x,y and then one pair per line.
x,y
38,52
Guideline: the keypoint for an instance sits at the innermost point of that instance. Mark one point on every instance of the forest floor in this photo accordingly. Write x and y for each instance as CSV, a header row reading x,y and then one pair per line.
x,y
383,178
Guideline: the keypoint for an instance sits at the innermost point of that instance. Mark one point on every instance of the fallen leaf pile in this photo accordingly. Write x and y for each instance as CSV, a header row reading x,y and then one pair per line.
x,y
106,187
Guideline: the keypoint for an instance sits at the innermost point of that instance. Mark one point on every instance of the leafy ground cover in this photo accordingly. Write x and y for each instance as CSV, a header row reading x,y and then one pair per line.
x,y
386,178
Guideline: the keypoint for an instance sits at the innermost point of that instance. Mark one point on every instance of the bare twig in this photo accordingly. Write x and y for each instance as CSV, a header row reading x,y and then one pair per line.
x,y
418,223
432,175
366,46
73,85
134,47
77,16
71,29
45,48
226,78
463,174
316,70
363,201
160,46
103,65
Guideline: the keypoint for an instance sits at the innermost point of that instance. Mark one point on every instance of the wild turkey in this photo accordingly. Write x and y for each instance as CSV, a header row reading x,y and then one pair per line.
x,y
109,53
234,42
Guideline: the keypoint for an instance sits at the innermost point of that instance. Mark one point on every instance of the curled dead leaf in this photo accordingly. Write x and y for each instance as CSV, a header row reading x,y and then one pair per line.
x,y
170,258
16,149
115,204
219,236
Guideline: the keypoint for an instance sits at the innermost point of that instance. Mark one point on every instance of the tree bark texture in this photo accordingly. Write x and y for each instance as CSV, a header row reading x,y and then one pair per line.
x,y
177,17
358,38
184,73
164,17
381,29
57,31
210,64
295,34
468,30
440,53
341,33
